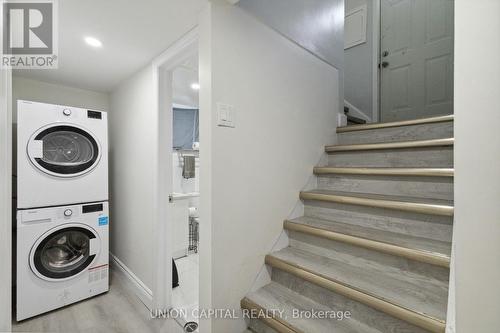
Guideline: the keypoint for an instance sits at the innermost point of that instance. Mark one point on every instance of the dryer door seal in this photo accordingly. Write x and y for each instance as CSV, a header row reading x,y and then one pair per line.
x,y
63,150
63,253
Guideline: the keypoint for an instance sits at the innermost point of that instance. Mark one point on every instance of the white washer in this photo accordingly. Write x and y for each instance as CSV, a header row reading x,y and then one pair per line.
x,y
62,256
62,155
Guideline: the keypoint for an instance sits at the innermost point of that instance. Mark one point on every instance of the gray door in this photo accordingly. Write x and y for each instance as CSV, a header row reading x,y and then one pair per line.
x,y
417,59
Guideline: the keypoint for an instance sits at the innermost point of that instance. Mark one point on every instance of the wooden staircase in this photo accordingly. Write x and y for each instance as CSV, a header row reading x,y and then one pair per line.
x,y
375,238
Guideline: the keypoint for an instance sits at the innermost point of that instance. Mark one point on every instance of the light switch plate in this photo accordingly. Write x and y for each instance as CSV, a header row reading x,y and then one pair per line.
x,y
225,115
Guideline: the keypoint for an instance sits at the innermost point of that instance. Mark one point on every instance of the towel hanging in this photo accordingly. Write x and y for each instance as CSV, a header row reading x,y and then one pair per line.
x,y
188,167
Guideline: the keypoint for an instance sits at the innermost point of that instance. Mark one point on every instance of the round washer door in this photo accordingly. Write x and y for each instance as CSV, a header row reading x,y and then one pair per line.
x,y
63,150
64,252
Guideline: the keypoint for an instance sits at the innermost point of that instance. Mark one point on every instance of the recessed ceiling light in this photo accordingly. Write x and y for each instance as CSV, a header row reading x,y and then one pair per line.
x,y
94,42
195,86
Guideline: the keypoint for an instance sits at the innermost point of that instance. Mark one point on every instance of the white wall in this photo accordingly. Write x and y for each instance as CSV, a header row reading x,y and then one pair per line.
x,y
251,175
38,91
358,64
182,79
477,165
5,199
317,25
131,137
5,192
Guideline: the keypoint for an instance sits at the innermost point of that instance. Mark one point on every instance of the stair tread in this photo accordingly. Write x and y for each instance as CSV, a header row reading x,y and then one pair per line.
x,y
277,296
385,171
390,145
372,126
384,197
394,202
408,290
388,237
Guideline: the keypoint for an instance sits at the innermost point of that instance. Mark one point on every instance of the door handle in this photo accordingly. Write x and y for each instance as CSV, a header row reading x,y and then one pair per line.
x,y
385,53
385,64
94,246
35,149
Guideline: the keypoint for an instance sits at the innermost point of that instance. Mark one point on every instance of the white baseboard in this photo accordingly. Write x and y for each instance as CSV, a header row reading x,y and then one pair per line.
x,y
355,112
140,289
451,313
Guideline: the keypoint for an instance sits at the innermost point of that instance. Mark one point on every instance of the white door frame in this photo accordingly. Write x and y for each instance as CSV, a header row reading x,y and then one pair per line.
x,y
5,194
5,199
376,26
162,67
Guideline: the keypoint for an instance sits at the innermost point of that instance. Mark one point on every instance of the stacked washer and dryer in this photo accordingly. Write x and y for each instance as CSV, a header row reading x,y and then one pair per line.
x,y
62,206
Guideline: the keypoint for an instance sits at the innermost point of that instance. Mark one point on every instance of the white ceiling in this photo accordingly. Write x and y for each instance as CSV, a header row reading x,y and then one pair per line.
x,y
132,33
183,77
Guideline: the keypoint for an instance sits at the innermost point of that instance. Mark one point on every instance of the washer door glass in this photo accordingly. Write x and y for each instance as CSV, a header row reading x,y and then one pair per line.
x,y
66,150
64,253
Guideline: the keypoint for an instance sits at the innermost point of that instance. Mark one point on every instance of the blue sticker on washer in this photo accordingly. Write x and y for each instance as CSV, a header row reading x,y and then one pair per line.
x,y
103,220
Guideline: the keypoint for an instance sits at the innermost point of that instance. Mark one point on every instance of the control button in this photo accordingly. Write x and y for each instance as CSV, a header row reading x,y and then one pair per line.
x,y
68,212
67,112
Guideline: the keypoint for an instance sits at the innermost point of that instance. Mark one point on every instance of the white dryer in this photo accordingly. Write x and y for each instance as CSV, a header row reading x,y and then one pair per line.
x,y
62,256
62,155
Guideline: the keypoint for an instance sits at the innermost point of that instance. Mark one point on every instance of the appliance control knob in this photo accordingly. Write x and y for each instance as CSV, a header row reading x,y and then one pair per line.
x,y
68,212
67,112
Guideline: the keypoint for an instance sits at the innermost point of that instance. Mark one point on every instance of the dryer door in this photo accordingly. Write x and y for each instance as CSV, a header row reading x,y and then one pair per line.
x,y
64,252
63,150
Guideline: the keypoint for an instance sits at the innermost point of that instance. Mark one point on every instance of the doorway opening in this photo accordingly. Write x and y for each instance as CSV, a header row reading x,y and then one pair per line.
x,y
398,59
177,200
185,198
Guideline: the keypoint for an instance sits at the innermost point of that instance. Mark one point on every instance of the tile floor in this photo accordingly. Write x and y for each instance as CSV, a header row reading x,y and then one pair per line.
x,y
185,296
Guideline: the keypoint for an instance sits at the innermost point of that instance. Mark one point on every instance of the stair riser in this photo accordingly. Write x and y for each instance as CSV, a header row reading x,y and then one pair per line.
x,y
432,157
403,133
367,315
420,225
418,187
332,249
259,327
